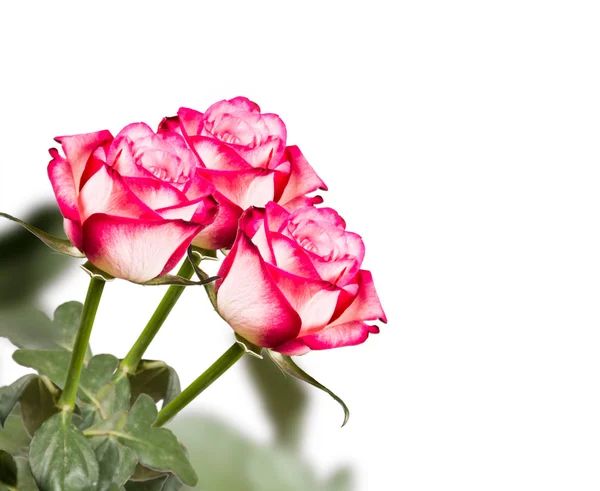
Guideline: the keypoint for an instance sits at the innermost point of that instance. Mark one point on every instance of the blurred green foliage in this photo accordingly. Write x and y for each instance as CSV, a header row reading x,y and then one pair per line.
x,y
27,266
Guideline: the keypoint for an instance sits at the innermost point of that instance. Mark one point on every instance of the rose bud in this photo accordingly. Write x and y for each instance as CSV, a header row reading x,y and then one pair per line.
x,y
132,204
243,153
292,281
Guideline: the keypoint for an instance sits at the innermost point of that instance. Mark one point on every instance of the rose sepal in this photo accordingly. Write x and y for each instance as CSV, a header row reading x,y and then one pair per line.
x,y
194,252
62,246
287,366
167,279
250,348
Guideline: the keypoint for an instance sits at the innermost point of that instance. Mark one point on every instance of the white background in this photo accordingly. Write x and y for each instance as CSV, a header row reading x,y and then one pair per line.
x,y
460,139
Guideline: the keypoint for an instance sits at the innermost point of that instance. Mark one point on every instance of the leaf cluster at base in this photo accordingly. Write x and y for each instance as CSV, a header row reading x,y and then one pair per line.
x,y
109,442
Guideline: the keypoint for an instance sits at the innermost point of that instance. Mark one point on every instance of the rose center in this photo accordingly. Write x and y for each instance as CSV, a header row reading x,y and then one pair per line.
x,y
164,165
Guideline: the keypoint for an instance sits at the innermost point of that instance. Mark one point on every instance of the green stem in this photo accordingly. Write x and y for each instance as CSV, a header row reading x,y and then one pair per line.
x,y
218,368
132,360
92,300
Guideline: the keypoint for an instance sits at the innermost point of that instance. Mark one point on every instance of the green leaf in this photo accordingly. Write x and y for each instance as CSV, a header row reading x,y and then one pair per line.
x,y
55,365
97,374
288,366
9,396
66,321
156,448
26,327
143,474
283,398
30,328
157,379
25,480
250,348
63,246
116,462
37,405
8,469
61,458
164,483
114,397
13,438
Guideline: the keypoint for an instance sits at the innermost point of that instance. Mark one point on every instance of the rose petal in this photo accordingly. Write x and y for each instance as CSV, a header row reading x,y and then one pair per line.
x,y
154,193
276,217
314,300
135,131
366,305
247,188
201,210
105,192
220,234
169,124
134,249
295,347
249,300
189,121
74,233
276,126
348,334
303,178
78,148
291,257
301,202
266,156
216,155
63,184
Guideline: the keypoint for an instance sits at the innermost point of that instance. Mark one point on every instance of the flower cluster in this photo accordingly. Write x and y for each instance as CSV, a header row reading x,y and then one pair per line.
x,y
223,179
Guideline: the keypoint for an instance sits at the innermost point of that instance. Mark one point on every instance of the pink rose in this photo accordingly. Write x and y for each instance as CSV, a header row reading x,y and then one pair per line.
x,y
243,153
132,204
293,282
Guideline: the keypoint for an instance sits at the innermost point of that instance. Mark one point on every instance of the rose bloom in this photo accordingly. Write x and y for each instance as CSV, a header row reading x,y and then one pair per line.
x,y
132,204
292,281
243,153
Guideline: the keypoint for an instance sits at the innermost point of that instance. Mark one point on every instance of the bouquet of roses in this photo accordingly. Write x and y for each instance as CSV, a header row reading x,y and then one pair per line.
x,y
135,206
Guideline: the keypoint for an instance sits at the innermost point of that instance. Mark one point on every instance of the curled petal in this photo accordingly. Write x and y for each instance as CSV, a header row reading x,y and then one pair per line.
x,y
366,304
303,178
189,121
135,131
253,187
348,334
301,202
250,301
276,217
134,249
79,148
169,124
220,234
